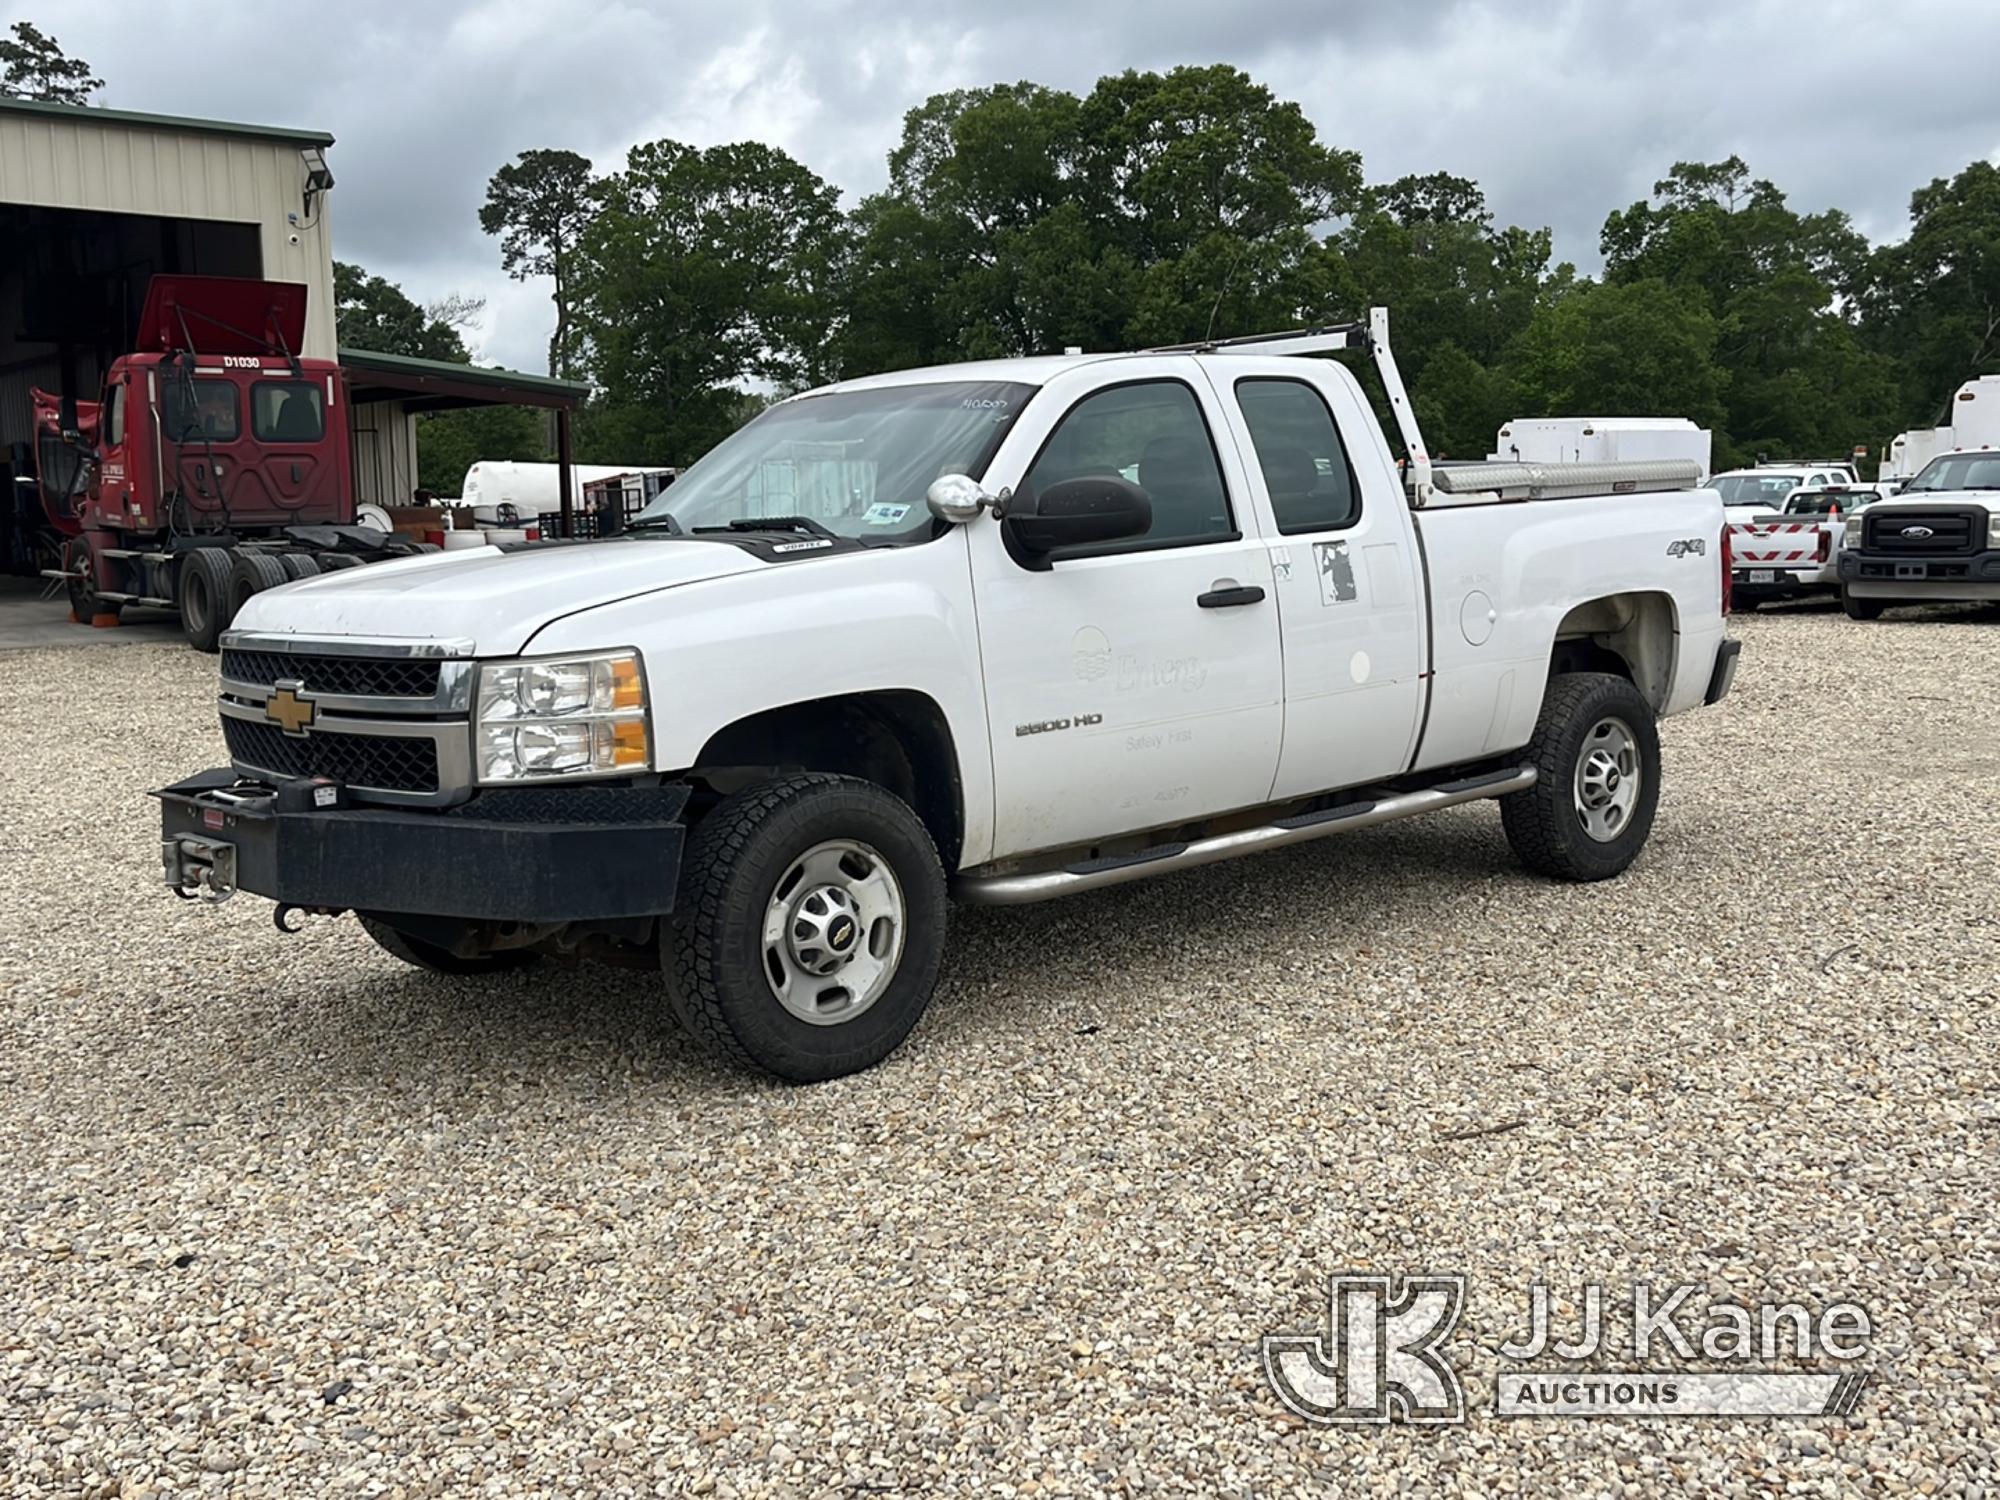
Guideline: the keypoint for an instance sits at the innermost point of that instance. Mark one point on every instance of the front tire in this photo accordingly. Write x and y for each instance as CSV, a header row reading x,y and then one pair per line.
x,y
422,955
1861,609
809,928
1597,754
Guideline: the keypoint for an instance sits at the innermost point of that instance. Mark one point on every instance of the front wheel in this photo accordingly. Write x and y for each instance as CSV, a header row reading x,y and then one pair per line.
x,y
1597,754
1861,609
809,927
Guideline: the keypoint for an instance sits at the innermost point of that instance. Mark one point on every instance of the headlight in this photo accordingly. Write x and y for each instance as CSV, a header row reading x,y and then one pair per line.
x,y
1850,534
563,716
1993,528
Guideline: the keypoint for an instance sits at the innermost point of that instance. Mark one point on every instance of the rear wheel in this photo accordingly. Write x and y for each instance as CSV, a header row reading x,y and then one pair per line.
x,y
809,928
299,565
250,574
1862,609
442,960
1597,752
204,597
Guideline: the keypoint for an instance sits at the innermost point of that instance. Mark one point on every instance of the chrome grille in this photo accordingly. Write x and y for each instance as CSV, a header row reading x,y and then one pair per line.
x,y
351,676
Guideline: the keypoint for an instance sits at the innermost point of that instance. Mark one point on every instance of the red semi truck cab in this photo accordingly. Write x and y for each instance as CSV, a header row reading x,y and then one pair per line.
x,y
209,425
216,464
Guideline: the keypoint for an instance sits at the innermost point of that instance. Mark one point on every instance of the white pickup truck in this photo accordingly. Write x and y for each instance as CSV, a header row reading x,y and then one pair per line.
x,y
1025,628
1936,541
1794,549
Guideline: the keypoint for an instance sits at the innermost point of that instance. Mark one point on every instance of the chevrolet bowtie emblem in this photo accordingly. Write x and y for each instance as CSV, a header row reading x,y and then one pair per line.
x,y
290,709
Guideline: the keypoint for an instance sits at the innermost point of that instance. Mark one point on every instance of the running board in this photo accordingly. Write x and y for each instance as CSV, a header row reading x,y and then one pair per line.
x,y
1090,875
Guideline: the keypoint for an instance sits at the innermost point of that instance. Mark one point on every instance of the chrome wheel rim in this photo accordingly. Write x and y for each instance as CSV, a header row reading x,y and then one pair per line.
x,y
833,932
1608,779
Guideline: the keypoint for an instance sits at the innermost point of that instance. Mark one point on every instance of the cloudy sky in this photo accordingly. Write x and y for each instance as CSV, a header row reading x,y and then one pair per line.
x,y
1561,111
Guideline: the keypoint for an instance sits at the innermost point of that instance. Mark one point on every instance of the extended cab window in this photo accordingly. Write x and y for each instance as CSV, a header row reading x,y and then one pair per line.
x,y
1153,434
199,410
287,411
1299,450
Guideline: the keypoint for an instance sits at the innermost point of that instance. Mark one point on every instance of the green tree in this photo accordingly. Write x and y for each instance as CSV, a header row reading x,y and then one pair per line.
x,y
701,271
1639,348
1933,301
539,204
1159,207
34,66
450,442
374,313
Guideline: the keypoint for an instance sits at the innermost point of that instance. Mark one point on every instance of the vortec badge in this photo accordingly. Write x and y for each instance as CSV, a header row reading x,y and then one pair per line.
x,y
290,709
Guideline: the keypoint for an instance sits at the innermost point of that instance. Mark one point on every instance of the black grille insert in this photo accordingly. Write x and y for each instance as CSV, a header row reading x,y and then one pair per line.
x,y
1944,531
355,676
370,761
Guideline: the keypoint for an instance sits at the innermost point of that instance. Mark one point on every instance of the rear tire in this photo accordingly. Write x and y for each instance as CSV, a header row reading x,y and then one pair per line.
x,y
1597,752
250,574
1862,609
203,596
439,960
809,927
299,565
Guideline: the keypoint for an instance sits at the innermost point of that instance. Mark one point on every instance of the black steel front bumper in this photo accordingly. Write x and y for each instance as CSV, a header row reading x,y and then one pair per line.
x,y
531,854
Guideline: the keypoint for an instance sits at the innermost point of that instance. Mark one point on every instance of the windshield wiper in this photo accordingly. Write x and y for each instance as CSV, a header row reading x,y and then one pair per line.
x,y
804,524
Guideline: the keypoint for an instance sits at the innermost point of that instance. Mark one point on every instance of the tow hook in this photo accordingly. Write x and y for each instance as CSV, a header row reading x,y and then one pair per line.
x,y
284,915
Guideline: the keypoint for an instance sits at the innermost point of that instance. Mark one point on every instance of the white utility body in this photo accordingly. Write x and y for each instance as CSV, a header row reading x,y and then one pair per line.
x,y
1067,621
1573,440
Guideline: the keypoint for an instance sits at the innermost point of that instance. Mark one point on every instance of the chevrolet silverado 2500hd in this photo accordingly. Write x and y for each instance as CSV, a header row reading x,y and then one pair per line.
x,y
1001,631
1936,541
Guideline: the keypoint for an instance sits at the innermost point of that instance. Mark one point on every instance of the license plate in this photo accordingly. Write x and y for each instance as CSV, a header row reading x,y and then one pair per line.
x,y
1763,575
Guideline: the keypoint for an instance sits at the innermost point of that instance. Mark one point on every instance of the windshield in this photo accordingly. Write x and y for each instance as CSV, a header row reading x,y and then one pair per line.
x,y
1754,489
856,462
1959,471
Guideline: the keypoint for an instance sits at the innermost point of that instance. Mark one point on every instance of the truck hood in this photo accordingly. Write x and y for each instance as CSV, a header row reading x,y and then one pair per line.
x,y
1986,500
496,599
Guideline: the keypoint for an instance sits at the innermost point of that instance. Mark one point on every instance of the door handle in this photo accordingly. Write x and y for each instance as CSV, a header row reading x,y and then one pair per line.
x,y
1230,597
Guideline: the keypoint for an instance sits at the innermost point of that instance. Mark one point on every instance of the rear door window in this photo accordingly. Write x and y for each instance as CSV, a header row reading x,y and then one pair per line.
x,y
287,411
1299,451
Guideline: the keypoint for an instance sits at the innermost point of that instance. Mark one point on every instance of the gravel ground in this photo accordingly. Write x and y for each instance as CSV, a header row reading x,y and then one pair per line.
x,y
281,1216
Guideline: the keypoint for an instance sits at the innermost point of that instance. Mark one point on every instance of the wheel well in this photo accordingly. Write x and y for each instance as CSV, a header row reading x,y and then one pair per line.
x,y
1629,635
898,740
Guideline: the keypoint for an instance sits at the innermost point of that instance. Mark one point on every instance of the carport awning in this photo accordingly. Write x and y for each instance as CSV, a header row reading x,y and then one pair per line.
x,y
439,384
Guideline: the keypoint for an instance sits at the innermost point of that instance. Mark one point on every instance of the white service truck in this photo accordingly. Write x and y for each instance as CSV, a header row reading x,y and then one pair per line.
x,y
1081,620
1936,541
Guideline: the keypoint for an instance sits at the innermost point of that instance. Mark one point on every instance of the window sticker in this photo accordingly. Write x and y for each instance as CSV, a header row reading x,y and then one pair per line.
x,y
884,514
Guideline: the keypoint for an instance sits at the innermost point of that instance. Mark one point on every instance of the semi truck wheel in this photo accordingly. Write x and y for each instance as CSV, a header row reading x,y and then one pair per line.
x,y
86,605
809,927
1862,609
440,960
203,595
252,573
299,565
1597,752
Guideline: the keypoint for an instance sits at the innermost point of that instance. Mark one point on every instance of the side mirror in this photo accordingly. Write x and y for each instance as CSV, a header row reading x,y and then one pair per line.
x,y
1077,512
957,498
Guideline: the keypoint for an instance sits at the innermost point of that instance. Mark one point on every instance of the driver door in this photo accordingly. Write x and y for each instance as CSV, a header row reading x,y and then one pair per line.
x,y
1135,684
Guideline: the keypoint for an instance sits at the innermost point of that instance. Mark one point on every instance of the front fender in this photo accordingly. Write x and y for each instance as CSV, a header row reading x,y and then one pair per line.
x,y
883,620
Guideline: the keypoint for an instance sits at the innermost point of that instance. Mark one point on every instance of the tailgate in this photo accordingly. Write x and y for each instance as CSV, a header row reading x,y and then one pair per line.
x,y
1781,545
